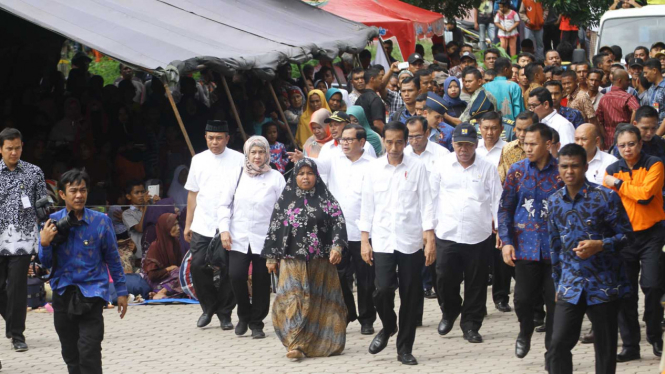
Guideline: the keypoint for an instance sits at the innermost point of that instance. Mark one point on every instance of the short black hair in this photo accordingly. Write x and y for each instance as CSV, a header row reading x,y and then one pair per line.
x,y
414,80
573,150
423,121
543,95
530,70
644,82
554,83
360,131
502,63
597,71
388,41
365,53
645,111
358,70
565,50
396,126
266,126
527,114
652,63
528,55
569,74
541,128
421,97
371,73
555,136
645,49
9,134
598,59
492,51
626,127
526,43
556,70
492,115
490,72
73,176
476,73
129,186
379,67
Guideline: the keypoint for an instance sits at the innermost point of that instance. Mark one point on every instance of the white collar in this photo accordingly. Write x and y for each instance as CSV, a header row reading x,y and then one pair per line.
x,y
550,116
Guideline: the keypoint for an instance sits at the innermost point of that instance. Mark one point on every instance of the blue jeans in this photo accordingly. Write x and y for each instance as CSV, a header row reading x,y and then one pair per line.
x,y
537,37
487,31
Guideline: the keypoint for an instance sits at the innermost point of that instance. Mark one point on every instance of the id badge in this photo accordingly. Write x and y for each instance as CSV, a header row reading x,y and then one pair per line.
x,y
26,202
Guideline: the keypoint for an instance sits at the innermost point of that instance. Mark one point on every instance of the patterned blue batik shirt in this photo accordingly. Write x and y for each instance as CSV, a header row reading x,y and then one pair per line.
x,y
83,259
573,116
595,213
523,209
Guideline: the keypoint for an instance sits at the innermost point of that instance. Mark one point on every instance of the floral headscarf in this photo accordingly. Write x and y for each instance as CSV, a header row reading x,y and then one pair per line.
x,y
251,169
305,224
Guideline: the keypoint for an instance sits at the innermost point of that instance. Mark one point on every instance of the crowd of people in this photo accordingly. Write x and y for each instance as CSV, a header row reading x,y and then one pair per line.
x,y
471,168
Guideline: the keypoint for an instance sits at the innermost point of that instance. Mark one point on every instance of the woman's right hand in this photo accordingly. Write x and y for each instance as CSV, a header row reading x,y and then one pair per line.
x,y
272,268
171,268
226,240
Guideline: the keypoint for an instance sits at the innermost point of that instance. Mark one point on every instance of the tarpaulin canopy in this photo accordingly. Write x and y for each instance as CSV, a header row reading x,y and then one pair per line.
x,y
394,18
225,35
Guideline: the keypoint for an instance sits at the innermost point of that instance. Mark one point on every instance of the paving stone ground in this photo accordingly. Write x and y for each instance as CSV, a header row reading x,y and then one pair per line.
x,y
164,339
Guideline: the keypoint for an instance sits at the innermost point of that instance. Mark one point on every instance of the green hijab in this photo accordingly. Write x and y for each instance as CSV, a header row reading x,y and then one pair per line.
x,y
372,137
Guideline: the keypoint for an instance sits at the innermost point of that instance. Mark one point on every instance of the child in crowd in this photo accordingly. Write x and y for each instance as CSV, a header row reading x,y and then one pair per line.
x,y
295,109
132,218
278,155
259,117
507,21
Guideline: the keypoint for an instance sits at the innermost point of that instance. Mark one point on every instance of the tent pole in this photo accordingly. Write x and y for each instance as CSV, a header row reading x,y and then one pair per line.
x,y
177,116
304,79
383,48
357,59
281,113
233,108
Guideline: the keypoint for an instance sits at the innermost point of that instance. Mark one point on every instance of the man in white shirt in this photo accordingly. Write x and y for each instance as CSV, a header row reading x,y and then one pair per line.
x,y
468,191
212,180
541,103
428,152
587,136
397,210
490,147
346,170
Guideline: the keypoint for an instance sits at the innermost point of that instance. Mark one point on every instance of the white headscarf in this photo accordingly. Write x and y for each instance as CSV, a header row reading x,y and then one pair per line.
x,y
177,191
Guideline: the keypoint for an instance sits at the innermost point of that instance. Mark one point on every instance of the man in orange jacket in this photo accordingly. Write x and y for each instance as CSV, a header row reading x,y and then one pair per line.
x,y
638,179
533,15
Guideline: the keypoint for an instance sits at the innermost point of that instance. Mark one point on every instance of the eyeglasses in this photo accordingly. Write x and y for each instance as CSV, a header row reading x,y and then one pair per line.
x,y
415,137
531,107
627,145
347,140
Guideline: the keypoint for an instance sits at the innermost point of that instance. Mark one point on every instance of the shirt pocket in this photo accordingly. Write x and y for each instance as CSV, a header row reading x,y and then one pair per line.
x,y
91,253
408,194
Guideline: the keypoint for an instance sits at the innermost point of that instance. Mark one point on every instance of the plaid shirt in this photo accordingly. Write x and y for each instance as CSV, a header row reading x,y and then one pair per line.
x,y
581,101
655,97
615,107
394,100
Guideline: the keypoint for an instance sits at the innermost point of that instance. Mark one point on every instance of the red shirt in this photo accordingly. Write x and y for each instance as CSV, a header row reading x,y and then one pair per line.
x,y
566,26
615,107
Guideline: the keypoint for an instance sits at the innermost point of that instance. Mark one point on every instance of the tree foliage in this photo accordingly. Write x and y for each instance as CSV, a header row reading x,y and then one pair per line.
x,y
456,9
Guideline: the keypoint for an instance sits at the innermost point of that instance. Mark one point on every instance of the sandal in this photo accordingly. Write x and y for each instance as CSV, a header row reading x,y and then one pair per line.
x,y
295,355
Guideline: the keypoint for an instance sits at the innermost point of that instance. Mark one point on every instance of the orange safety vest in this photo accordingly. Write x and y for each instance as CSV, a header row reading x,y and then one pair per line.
x,y
534,10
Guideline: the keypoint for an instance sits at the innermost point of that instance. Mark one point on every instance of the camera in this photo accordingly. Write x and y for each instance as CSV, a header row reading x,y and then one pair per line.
x,y
43,208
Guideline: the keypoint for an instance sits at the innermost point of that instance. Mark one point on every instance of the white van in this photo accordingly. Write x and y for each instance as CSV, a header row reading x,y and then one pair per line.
x,y
630,28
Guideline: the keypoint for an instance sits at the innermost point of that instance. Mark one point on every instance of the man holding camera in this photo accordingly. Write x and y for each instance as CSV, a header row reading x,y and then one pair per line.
x,y
79,245
21,185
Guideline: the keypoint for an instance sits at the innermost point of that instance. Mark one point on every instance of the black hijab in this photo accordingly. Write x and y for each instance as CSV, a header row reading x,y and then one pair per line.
x,y
305,224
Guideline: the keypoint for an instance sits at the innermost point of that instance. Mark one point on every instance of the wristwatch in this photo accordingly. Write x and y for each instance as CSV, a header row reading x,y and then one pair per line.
x,y
617,183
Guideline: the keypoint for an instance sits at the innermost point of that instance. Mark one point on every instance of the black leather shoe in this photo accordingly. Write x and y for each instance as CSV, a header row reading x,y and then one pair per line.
x,y
445,326
419,324
204,320
473,336
503,307
628,355
407,359
522,346
241,328
19,346
226,324
658,348
258,334
430,294
541,328
538,322
379,342
367,329
588,338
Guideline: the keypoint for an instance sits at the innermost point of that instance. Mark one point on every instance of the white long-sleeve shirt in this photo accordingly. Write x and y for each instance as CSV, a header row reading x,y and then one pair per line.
x,y
253,204
466,199
492,155
396,205
345,181
565,129
429,156
598,165
214,177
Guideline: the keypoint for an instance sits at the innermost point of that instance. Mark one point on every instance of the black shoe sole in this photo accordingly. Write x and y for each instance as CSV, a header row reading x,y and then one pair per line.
x,y
627,359
407,363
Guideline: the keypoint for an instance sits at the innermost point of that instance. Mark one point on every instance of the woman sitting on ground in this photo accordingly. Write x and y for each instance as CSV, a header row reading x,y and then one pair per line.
x,y
161,265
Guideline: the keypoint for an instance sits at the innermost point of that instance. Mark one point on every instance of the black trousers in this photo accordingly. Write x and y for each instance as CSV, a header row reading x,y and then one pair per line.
x,y
351,259
80,335
501,275
567,327
409,281
551,36
428,272
455,263
14,294
533,281
643,253
570,37
213,300
255,311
